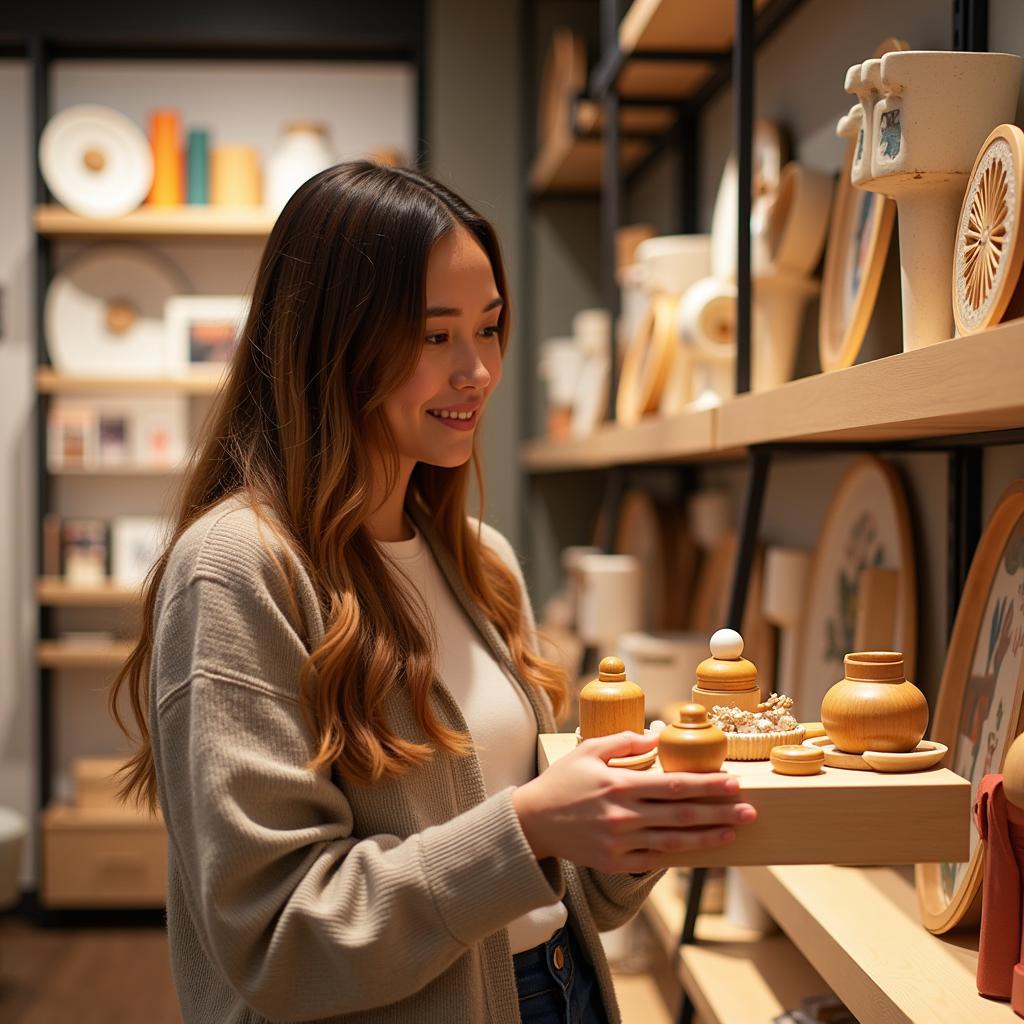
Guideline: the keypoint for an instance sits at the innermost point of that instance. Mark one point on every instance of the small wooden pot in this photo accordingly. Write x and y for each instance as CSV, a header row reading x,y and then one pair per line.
x,y
692,744
611,703
874,707
727,678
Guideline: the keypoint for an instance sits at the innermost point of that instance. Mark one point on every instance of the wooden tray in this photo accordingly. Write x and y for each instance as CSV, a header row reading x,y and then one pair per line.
x,y
837,817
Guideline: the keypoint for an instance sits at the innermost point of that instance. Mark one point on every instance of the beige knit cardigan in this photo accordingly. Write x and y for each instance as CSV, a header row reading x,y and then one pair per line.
x,y
298,896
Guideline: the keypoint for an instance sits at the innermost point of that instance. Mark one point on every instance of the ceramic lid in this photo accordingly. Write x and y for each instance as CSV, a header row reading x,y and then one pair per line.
x,y
794,753
727,669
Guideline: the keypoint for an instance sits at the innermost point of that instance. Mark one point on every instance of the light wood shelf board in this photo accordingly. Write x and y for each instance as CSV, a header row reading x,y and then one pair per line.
x,y
53,591
838,817
58,654
158,222
654,439
68,816
963,385
859,928
127,470
50,382
569,164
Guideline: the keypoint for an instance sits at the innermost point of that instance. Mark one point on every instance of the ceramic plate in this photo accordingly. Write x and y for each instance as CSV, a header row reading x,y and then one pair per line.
x,y
96,161
867,526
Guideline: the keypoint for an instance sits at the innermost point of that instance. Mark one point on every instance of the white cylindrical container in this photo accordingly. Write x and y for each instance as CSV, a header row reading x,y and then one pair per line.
x,y
303,151
611,599
570,560
669,264
13,831
709,515
592,329
742,908
663,665
560,363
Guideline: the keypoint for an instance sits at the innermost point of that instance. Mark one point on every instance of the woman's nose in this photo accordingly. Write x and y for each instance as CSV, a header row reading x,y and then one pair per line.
x,y
470,370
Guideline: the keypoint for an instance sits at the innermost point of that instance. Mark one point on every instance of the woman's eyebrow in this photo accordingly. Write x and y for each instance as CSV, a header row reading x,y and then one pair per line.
x,y
433,311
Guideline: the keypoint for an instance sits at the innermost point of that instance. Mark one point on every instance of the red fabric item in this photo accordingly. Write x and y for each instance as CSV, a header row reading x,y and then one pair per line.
x,y
1001,826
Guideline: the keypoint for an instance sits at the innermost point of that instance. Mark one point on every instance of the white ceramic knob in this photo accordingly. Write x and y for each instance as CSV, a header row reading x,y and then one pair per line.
x,y
726,645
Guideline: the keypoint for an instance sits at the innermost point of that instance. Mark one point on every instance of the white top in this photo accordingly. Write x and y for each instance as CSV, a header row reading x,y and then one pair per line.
x,y
499,717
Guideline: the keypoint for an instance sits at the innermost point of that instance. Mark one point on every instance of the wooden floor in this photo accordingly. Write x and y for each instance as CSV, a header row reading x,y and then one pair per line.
x,y
123,976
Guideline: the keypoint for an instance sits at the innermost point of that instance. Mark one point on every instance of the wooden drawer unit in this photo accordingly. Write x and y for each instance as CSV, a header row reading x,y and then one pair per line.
x,y
102,858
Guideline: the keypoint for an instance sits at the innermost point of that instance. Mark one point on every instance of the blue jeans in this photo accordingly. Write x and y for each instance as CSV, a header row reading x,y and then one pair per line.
x,y
557,983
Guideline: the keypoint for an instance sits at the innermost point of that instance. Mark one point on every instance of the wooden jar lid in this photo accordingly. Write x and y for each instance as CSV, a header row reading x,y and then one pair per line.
x,y
793,759
693,716
874,666
726,670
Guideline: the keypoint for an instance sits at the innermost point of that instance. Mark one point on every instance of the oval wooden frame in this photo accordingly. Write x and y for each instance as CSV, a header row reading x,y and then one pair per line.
x,y
648,362
907,585
839,343
1007,285
964,909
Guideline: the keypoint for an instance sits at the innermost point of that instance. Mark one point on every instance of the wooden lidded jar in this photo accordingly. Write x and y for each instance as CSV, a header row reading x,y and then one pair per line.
x,y
692,744
611,703
874,707
727,678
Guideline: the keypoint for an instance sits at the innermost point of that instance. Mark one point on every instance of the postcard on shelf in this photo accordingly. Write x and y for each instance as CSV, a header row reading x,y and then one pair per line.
x,y
202,332
135,544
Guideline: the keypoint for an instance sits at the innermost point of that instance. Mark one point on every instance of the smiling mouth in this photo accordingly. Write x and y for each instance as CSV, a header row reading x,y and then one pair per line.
x,y
444,414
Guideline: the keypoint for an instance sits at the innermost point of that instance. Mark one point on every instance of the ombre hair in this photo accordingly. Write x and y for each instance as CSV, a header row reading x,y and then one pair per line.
x,y
336,324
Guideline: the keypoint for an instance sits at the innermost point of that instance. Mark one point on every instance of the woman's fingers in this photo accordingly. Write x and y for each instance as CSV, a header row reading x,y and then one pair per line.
x,y
667,844
677,785
684,814
620,744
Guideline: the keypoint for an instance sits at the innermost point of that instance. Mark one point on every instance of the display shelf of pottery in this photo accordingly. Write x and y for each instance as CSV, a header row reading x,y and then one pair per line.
x,y
924,116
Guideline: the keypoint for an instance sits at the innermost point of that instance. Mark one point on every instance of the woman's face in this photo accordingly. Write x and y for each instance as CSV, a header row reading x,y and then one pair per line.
x,y
434,415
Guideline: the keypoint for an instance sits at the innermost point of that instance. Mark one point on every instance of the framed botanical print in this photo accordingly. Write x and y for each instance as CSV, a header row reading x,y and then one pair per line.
x,y
978,713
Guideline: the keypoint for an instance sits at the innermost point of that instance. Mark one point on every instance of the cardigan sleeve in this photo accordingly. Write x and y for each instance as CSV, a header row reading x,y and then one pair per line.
x,y
304,918
613,899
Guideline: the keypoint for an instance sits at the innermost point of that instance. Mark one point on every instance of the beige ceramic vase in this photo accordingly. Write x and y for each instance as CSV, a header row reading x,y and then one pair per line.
x,y
692,744
611,703
874,707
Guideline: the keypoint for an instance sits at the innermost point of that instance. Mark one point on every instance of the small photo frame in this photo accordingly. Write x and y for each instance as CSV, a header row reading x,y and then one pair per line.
x,y
135,544
202,332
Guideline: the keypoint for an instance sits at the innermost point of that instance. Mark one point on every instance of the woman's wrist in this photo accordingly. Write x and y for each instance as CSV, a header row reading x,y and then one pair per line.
x,y
528,820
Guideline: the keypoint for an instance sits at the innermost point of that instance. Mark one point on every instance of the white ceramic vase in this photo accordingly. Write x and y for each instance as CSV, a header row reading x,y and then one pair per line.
x,y
925,115
304,150
611,599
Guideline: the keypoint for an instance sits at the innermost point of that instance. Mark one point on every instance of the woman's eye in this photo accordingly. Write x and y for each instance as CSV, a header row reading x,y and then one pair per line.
x,y
492,332
437,338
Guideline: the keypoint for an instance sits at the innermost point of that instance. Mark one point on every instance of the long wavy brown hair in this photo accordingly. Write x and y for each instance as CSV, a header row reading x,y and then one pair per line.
x,y
336,323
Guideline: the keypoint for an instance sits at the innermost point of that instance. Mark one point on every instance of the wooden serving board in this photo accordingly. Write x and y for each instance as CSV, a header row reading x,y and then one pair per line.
x,y
837,817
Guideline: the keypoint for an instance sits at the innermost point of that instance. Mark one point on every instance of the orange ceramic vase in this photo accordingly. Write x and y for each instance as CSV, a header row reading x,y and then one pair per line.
x,y
874,707
692,744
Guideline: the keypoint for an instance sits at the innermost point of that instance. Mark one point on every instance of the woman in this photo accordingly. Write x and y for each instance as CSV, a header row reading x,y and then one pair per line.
x,y
336,691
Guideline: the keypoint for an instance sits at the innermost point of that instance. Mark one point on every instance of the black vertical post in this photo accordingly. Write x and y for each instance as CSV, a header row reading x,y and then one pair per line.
x,y
970,25
746,548
40,58
611,195
743,123
689,145
964,519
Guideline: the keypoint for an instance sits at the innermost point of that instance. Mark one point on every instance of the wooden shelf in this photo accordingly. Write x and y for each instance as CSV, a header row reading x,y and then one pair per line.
x,y
960,386
733,975
59,654
126,470
860,929
53,592
158,222
673,25
678,439
50,382
573,165
838,817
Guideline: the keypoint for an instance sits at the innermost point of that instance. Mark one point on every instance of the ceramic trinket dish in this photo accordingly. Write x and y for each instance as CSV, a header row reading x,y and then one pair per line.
x,y
875,707
727,678
692,744
925,115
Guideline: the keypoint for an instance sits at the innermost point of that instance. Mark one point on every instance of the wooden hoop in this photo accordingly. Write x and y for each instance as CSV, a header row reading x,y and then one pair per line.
x,y
989,254
648,361
964,908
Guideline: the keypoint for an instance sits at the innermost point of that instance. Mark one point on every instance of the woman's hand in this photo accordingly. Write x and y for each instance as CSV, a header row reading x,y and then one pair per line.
x,y
616,820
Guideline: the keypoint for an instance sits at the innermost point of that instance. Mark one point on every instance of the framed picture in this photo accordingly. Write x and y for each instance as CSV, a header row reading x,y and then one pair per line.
x,y
978,713
135,544
102,433
202,332
867,526
84,551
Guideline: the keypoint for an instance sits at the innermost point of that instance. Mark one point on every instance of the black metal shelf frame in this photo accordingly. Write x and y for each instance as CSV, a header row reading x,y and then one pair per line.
x,y
42,51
